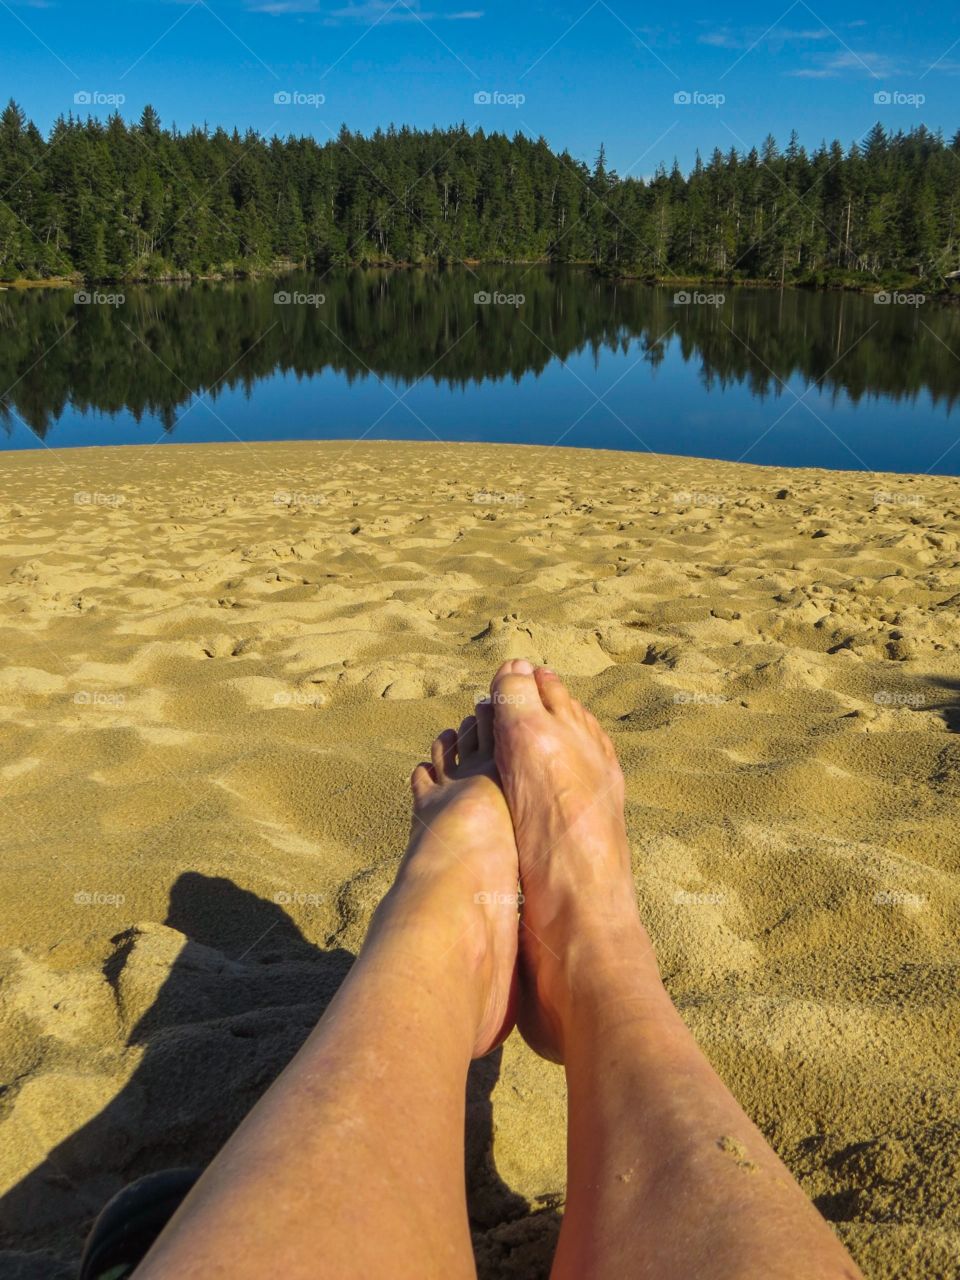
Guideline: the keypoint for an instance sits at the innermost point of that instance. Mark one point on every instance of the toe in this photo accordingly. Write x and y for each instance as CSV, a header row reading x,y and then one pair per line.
x,y
422,780
579,712
467,740
485,726
513,690
443,753
553,692
514,667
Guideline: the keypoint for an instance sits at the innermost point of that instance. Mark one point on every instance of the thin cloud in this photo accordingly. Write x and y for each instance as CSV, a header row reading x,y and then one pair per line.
x,y
815,33
724,38
720,40
368,12
873,64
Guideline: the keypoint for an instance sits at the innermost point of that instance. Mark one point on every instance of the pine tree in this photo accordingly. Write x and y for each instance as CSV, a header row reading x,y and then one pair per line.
x,y
140,201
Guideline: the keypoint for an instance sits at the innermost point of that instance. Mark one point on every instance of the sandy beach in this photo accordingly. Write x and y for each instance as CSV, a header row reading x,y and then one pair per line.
x,y
218,666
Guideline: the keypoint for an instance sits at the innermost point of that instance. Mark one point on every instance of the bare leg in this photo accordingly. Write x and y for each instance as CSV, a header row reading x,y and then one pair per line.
x,y
667,1177
352,1164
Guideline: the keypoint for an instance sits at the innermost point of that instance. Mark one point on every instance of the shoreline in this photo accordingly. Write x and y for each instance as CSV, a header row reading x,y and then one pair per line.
x,y
948,295
349,443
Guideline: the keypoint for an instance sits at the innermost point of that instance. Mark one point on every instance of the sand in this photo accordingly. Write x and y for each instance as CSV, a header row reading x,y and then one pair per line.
x,y
219,664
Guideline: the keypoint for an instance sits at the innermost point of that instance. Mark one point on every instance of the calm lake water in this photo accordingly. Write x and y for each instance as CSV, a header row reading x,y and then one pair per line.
x,y
556,357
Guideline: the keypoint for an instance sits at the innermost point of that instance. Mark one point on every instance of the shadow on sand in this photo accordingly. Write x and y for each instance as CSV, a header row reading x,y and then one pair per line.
x,y
948,705
243,989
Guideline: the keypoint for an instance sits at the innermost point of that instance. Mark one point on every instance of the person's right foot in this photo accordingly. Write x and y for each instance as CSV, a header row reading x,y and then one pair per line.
x,y
564,787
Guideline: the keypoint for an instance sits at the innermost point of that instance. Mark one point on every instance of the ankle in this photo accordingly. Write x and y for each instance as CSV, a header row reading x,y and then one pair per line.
x,y
607,969
418,947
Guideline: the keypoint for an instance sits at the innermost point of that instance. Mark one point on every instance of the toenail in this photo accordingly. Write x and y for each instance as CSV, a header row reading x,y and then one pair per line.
x,y
523,668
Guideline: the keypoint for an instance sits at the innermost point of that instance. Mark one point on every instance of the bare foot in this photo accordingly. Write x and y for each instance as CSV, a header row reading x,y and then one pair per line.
x,y
564,787
457,887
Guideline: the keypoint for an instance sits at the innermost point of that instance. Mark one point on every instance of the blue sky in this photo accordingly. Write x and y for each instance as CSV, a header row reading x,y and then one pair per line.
x,y
586,70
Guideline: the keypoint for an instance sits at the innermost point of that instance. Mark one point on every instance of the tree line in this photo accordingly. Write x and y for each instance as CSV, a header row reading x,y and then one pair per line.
x,y
112,200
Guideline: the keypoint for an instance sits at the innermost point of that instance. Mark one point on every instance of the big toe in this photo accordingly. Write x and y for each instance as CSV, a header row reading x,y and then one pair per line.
x,y
513,690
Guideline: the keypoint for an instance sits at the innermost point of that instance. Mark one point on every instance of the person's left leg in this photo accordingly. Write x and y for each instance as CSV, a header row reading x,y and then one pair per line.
x,y
352,1164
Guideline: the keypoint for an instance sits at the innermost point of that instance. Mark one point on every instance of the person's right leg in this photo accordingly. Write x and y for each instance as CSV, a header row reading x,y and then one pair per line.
x,y
667,1177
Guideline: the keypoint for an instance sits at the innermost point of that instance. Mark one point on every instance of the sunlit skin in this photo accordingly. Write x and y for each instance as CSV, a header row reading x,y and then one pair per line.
x,y
352,1164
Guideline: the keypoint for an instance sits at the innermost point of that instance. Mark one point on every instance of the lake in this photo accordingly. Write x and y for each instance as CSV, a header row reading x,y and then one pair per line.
x,y
500,354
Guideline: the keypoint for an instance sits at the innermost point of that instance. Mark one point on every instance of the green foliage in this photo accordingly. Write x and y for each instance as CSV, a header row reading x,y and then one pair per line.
x,y
137,201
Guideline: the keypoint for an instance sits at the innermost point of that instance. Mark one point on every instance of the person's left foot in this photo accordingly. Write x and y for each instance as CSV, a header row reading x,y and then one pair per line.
x,y
457,886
